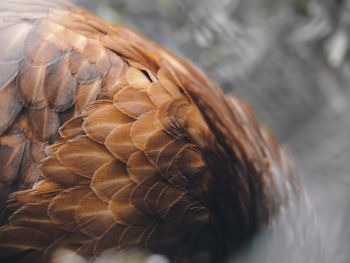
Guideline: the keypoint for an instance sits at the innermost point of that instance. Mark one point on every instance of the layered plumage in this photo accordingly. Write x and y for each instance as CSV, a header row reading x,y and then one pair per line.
x,y
110,142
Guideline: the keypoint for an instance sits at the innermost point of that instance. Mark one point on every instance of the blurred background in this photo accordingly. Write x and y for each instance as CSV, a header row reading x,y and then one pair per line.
x,y
290,60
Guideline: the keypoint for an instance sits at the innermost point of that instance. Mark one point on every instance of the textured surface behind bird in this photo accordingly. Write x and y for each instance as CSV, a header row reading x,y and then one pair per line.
x,y
288,58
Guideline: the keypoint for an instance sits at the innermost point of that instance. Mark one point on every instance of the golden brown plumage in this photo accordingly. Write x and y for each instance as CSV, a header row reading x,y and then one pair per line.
x,y
119,145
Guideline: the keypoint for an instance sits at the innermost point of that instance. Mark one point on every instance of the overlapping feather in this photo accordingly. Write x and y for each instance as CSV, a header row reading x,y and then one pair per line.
x,y
140,143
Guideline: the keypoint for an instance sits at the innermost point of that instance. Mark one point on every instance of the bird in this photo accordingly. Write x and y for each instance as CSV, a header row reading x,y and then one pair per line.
x,y
110,142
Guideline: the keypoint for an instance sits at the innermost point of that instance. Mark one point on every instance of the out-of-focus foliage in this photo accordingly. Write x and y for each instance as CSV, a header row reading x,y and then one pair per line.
x,y
289,59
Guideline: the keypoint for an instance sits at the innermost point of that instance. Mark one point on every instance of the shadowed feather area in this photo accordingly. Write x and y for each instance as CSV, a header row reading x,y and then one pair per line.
x,y
108,141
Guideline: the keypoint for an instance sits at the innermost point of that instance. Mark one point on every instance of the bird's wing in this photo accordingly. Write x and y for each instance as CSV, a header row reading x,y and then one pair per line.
x,y
123,167
144,150
53,62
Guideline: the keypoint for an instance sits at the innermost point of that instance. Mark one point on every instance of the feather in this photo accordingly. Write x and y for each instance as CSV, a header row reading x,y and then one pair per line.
x,y
169,85
101,118
167,198
60,91
109,239
44,123
196,128
83,156
12,148
8,72
115,80
146,125
190,162
72,128
29,171
131,236
155,143
96,54
61,209
76,40
13,48
133,102
166,155
21,239
153,190
32,93
9,107
81,69
158,94
92,215
124,211
137,79
34,216
40,48
43,190
55,171
119,142
172,115
140,192
87,93
139,168
109,179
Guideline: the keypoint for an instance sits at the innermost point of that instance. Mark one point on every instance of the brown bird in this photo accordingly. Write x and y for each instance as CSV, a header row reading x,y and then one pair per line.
x,y
108,141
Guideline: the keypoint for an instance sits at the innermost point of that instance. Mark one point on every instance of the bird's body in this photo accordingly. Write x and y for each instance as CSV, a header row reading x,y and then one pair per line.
x,y
108,141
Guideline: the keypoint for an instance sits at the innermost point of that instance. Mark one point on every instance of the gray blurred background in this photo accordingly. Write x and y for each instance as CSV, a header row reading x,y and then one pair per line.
x,y
290,60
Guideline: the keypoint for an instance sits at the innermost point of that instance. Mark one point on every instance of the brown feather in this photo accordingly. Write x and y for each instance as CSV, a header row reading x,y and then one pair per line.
x,y
146,125
55,171
139,167
83,156
9,107
123,210
133,102
40,48
60,91
44,123
109,179
61,210
32,93
119,142
72,128
101,118
18,239
92,215
87,93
